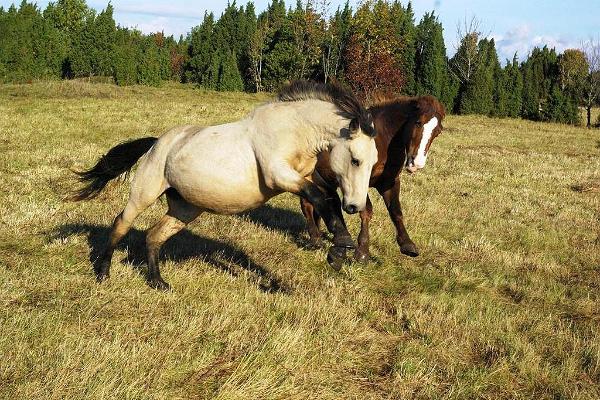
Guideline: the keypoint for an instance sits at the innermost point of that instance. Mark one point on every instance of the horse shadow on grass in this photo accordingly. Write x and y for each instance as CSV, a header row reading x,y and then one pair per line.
x,y
287,222
183,246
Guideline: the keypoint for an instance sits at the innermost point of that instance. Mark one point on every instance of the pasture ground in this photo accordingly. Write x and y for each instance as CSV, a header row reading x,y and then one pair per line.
x,y
502,303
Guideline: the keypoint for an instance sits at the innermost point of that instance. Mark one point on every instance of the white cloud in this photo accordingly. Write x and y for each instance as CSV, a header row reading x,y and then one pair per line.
x,y
521,40
170,26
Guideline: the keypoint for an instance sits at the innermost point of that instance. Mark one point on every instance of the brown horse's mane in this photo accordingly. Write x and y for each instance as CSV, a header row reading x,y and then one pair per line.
x,y
409,106
345,101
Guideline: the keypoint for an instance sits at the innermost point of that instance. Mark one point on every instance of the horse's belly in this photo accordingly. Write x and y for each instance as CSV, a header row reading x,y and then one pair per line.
x,y
223,197
223,179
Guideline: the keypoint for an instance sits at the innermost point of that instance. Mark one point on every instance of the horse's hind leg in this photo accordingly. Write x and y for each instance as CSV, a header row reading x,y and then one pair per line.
x,y
120,227
139,200
180,214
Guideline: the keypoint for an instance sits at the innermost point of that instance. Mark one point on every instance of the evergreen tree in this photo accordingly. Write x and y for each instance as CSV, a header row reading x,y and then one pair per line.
x,y
200,50
540,72
513,88
430,60
69,16
103,34
404,21
148,62
30,46
247,26
81,55
559,107
280,55
478,94
230,78
125,59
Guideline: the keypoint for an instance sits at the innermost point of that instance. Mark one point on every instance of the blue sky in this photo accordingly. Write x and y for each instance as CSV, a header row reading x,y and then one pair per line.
x,y
517,25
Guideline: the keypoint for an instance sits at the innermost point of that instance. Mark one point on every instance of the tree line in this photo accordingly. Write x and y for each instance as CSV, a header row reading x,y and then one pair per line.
x,y
379,47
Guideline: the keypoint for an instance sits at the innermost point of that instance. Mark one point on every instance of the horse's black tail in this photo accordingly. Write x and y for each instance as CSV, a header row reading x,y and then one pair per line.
x,y
117,161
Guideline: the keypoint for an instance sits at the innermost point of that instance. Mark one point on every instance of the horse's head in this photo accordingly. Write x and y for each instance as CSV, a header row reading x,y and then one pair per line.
x,y
352,157
425,126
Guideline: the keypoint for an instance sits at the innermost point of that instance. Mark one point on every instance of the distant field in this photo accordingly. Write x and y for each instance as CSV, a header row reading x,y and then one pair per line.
x,y
504,301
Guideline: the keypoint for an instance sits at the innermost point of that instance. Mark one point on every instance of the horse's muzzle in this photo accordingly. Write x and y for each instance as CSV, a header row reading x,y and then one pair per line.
x,y
410,165
351,208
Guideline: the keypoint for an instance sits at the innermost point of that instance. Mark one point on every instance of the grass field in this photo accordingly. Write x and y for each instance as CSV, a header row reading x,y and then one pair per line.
x,y
504,301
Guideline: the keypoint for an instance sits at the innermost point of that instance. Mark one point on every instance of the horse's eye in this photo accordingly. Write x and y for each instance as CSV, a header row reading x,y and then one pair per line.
x,y
355,162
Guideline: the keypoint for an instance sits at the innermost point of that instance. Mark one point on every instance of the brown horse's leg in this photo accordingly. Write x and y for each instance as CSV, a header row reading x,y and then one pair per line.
x,y
180,214
312,223
391,197
362,251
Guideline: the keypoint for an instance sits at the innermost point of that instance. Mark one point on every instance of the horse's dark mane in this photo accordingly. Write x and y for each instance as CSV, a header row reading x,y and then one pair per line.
x,y
334,93
411,107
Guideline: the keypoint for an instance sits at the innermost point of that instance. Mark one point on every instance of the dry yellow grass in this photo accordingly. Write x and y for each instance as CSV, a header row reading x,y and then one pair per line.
x,y
503,303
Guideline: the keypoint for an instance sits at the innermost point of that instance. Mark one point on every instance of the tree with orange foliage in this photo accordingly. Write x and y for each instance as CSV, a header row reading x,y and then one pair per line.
x,y
372,56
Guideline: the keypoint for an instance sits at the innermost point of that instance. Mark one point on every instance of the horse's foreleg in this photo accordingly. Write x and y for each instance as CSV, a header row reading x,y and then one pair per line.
x,y
362,251
312,223
289,180
391,197
333,220
180,214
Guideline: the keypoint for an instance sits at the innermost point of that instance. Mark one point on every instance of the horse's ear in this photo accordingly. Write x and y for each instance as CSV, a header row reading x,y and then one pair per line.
x,y
354,125
369,125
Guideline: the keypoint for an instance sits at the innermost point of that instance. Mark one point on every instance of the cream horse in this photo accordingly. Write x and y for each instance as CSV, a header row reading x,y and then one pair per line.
x,y
231,168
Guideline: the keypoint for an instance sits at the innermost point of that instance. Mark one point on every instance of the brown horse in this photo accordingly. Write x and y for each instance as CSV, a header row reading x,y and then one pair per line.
x,y
406,128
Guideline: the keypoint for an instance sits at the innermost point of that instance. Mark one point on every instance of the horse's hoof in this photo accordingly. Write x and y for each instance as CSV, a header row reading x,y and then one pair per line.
x,y
314,245
362,256
336,257
409,249
159,284
101,269
344,241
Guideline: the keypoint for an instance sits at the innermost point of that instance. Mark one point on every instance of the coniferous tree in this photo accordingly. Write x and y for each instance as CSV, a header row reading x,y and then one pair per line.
x,y
478,95
103,35
430,60
199,50
404,21
513,88
148,62
540,72
125,59
229,78
81,55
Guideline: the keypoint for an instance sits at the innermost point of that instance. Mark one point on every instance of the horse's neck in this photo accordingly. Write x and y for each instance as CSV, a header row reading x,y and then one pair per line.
x,y
389,122
322,123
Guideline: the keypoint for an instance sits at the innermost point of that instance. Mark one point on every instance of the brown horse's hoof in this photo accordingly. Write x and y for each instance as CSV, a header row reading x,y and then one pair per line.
x,y
159,284
314,244
344,241
336,256
409,248
362,256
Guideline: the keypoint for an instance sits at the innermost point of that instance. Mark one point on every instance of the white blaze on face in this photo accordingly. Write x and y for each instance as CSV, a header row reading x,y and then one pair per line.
x,y
354,180
428,128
